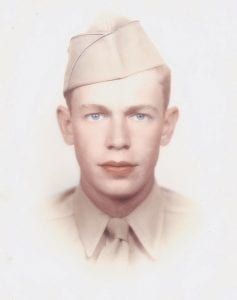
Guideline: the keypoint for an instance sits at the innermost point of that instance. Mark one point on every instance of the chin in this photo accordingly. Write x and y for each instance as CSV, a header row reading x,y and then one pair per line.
x,y
120,188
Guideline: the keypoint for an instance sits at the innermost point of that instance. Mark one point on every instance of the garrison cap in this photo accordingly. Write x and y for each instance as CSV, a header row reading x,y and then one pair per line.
x,y
113,48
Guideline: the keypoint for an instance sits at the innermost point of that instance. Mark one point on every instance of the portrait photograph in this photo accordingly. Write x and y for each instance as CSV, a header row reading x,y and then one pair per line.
x,y
118,136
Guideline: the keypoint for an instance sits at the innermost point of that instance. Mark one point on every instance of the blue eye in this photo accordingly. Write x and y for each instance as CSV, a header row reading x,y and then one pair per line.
x,y
139,116
95,116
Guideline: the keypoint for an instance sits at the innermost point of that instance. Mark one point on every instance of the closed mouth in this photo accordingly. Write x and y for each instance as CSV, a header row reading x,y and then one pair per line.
x,y
118,164
121,168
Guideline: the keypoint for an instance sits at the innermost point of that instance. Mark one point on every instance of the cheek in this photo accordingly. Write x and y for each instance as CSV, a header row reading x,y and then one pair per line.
x,y
147,138
152,154
147,145
87,142
152,150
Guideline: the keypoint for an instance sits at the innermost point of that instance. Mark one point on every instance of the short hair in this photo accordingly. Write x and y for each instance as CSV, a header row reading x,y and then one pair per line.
x,y
164,78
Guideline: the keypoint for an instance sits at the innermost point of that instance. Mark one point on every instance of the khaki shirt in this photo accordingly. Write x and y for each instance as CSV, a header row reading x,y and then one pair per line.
x,y
51,253
160,226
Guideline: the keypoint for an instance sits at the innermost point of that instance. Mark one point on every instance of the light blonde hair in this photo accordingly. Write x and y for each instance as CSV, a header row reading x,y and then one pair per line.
x,y
164,78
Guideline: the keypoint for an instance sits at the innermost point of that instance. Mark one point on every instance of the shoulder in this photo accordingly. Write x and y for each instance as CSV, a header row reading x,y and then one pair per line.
x,y
176,203
59,205
54,217
41,246
183,218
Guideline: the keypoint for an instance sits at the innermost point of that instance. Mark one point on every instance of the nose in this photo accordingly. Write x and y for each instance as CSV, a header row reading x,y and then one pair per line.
x,y
118,135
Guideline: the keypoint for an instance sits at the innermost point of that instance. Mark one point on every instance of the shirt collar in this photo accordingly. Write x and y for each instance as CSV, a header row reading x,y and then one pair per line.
x,y
90,220
146,221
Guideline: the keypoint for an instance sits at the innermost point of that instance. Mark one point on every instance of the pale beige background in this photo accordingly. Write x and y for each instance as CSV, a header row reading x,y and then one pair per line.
x,y
198,40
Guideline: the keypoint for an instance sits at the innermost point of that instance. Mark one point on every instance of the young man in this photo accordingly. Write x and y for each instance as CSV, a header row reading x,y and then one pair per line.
x,y
117,117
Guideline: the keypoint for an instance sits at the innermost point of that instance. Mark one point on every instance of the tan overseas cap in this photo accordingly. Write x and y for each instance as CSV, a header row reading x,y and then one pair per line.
x,y
112,48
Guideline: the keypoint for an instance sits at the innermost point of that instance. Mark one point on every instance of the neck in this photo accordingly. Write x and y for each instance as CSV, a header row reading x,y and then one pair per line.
x,y
114,206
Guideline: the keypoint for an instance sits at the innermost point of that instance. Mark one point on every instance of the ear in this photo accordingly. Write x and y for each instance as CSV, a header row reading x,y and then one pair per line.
x,y
65,124
170,119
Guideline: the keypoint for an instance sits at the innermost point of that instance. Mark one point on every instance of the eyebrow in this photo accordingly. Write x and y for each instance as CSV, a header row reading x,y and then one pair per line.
x,y
128,110
94,106
136,108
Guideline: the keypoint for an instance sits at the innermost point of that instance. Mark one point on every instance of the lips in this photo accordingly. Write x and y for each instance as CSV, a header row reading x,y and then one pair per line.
x,y
121,168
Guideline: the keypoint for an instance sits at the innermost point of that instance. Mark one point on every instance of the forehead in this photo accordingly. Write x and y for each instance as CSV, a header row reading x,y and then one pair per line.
x,y
142,88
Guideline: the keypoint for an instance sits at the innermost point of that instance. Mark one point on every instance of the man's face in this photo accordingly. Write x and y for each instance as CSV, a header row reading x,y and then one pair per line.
x,y
117,128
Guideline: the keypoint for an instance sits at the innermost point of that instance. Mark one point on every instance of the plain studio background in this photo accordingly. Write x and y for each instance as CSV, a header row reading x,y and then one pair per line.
x,y
198,40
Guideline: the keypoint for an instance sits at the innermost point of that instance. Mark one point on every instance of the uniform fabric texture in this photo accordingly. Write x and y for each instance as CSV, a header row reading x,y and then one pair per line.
x,y
109,50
